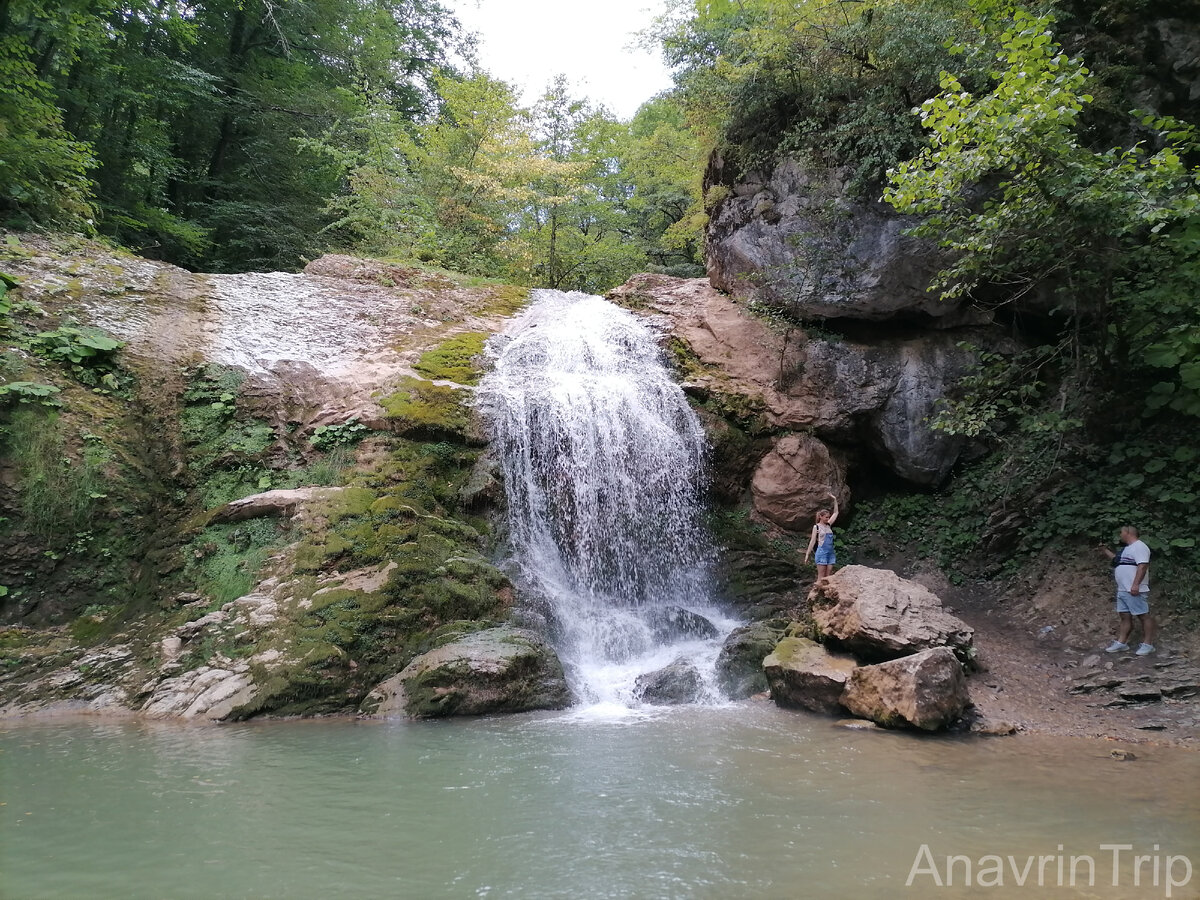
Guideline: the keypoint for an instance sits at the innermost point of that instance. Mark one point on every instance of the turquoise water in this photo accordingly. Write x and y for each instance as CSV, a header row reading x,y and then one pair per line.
x,y
740,801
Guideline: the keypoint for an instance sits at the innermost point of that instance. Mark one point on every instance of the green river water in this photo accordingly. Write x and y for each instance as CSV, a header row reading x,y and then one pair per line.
x,y
736,801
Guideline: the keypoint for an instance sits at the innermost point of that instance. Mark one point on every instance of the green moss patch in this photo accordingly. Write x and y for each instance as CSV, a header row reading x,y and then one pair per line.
x,y
420,407
454,359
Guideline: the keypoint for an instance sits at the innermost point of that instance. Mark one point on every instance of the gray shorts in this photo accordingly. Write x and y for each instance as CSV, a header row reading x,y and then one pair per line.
x,y
1134,604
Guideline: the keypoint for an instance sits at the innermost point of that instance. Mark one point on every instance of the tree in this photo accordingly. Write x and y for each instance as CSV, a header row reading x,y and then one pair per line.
x,y
828,81
188,116
1007,185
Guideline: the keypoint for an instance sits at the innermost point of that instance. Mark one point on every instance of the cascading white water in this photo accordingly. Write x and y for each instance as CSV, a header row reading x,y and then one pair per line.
x,y
603,465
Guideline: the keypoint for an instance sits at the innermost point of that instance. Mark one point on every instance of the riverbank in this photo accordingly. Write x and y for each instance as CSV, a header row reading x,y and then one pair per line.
x,y
1044,671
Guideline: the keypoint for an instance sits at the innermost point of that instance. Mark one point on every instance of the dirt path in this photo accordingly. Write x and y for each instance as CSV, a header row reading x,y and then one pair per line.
x,y
1041,647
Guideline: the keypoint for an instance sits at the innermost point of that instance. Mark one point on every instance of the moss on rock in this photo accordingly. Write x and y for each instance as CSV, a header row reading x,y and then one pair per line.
x,y
454,359
421,407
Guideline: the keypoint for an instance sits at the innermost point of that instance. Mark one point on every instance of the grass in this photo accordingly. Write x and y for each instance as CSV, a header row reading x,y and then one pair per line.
x,y
59,492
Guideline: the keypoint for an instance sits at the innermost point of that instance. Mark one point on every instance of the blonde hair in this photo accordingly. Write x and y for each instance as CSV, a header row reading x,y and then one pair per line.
x,y
823,512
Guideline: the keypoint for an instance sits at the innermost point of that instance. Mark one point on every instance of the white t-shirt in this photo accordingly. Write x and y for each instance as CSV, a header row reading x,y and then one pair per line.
x,y
1136,552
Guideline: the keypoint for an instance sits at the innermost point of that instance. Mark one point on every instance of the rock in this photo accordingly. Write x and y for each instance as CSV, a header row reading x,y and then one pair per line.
x,y
269,504
795,480
804,675
856,724
1122,755
992,727
673,623
760,582
926,690
797,235
672,685
877,615
839,389
483,488
740,664
502,669
209,692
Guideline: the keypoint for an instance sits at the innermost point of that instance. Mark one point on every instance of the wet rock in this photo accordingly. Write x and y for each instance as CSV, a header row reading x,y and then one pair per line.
x,y
795,480
673,623
926,690
804,675
672,685
740,665
856,724
483,488
992,727
501,669
761,582
208,692
877,615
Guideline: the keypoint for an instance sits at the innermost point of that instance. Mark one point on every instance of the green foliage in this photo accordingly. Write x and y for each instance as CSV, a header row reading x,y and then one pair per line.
x,y
43,168
60,489
1009,186
561,195
7,284
30,392
224,561
1037,491
75,345
188,117
326,437
825,81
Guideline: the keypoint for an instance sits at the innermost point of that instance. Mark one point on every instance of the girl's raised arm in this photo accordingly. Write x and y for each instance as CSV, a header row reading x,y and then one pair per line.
x,y
833,517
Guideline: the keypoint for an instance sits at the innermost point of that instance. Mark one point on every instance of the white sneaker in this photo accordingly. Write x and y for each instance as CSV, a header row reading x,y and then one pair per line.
x,y
1145,649
1116,647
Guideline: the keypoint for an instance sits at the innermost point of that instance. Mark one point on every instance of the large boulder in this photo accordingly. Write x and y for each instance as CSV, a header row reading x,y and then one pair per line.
x,y
672,685
926,690
804,675
795,480
503,669
740,665
796,234
877,615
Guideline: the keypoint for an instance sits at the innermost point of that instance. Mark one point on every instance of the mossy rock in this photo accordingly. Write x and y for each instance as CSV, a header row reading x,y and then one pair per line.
x,y
422,408
454,359
495,670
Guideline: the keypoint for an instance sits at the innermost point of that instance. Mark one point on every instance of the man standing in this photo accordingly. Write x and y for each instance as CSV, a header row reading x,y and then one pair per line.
x,y
1131,569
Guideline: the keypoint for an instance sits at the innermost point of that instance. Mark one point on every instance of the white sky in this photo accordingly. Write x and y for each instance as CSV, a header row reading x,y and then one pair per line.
x,y
528,42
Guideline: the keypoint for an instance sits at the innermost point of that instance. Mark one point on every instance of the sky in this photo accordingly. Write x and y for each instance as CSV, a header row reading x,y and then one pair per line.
x,y
528,42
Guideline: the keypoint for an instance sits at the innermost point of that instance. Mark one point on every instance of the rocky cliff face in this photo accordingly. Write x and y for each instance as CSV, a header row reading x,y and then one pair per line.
x,y
807,408
285,502
795,237
816,335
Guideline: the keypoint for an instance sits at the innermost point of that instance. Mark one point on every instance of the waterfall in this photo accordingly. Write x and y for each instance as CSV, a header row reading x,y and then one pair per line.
x,y
603,463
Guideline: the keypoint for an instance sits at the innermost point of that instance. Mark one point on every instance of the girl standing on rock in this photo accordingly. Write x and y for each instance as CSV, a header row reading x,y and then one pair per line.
x,y
822,539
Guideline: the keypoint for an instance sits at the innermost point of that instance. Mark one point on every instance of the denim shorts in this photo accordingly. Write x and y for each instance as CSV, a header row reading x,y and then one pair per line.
x,y
1134,604
825,556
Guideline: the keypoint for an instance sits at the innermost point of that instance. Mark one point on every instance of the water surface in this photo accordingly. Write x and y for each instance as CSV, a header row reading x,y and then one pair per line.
x,y
740,801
